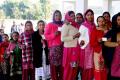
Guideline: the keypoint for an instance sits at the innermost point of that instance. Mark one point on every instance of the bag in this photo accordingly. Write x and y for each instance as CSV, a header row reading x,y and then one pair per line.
x,y
44,71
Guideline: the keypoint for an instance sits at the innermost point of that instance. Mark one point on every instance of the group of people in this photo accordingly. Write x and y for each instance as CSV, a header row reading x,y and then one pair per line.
x,y
75,45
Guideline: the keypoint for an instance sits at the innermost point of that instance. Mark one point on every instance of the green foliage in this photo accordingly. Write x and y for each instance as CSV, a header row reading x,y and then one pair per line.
x,y
15,9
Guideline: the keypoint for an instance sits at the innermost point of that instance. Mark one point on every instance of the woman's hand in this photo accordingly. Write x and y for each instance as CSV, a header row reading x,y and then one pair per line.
x,y
76,35
57,33
82,43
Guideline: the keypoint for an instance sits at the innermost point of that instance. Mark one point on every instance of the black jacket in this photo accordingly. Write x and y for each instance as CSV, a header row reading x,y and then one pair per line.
x,y
38,50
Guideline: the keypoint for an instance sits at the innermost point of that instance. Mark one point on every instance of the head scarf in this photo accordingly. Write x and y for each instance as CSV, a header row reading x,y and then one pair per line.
x,y
57,22
89,10
68,18
88,24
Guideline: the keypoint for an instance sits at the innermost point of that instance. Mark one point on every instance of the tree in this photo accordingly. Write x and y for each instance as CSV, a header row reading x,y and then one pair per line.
x,y
25,10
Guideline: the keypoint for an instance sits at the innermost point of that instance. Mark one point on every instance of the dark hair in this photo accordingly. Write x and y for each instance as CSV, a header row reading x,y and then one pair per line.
x,y
15,33
57,22
12,34
70,12
41,21
28,22
56,11
114,21
89,10
100,17
79,14
106,13
5,35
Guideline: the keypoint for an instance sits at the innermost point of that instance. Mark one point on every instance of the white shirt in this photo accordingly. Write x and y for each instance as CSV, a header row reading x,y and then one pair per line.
x,y
84,35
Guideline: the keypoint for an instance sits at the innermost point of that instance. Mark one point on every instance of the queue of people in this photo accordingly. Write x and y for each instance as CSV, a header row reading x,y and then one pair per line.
x,y
60,50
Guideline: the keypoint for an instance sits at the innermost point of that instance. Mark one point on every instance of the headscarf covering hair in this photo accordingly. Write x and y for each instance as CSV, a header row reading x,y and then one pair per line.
x,y
89,25
30,24
89,10
57,22
68,19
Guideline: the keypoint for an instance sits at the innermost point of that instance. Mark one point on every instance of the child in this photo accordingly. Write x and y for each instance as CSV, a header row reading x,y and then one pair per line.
x,y
4,66
38,44
27,53
15,54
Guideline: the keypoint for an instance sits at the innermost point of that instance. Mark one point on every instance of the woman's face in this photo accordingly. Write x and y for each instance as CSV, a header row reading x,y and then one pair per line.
x,y
118,21
5,38
101,22
107,17
72,15
89,16
15,36
41,26
57,16
28,27
79,18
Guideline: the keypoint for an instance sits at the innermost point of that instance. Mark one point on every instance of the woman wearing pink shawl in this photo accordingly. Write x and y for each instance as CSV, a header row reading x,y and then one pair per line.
x,y
86,56
69,36
53,36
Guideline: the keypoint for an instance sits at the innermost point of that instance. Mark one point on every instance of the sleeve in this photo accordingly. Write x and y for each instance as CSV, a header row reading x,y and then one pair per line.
x,y
64,34
48,34
84,36
93,40
34,43
109,34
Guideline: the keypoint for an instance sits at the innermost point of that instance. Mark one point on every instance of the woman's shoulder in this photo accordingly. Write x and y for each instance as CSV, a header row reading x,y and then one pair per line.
x,y
35,33
50,24
83,28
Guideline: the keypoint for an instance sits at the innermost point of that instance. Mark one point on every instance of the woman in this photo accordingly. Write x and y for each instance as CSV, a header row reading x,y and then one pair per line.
x,y
4,60
86,56
96,42
79,18
108,23
15,54
39,43
27,53
53,36
70,37
112,57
